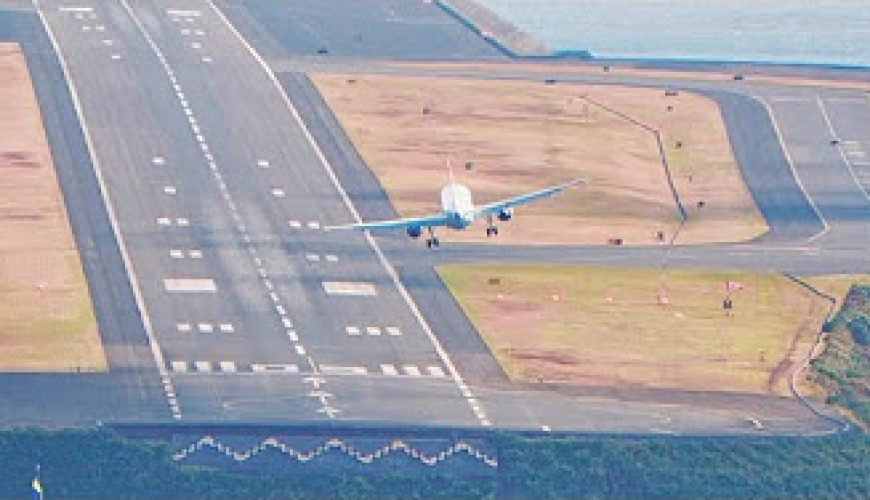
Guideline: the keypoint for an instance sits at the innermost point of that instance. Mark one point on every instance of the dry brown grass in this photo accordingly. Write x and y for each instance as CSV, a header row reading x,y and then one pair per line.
x,y
605,326
46,319
525,135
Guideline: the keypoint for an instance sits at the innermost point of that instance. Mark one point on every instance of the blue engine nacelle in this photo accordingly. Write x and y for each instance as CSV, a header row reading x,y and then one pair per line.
x,y
505,214
415,232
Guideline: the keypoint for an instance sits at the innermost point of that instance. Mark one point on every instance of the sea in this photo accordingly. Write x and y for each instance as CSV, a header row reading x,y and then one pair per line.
x,y
828,32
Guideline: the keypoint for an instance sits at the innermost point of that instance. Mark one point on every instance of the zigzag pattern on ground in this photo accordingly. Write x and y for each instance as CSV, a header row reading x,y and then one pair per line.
x,y
336,444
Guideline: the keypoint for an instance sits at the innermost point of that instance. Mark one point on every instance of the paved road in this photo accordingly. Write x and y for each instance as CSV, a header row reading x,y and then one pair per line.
x,y
212,178
390,29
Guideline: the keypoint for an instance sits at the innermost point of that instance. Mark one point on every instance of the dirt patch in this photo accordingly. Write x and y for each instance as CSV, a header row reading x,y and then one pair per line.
x,y
604,326
46,319
515,136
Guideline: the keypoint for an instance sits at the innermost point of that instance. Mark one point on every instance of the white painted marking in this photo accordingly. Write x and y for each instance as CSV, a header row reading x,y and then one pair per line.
x,y
857,154
206,59
202,366
331,258
163,221
203,146
389,370
176,253
169,189
287,323
193,285
851,170
263,163
153,342
295,224
394,331
183,12
182,221
86,28
179,366
259,368
292,336
199,32
194,254
313,225
205,327
185,31
277,192
100,28
435,371
411,370
228,366
300,350
343,370
183,327
274,297
281,310
75,8
358,288
226,328
188,112
790,160
196,45
373,331
352,330
158,160
195,128
108,42
312,257
116,57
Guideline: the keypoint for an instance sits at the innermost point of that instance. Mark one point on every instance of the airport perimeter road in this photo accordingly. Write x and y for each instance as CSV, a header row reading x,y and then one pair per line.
x,y
385,29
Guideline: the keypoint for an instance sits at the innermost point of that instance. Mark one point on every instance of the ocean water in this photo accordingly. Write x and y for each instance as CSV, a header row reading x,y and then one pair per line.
x,y
797,31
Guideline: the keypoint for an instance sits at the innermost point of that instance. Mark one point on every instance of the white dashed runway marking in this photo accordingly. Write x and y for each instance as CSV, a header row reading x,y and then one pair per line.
x,y
343,370
170,189
274,368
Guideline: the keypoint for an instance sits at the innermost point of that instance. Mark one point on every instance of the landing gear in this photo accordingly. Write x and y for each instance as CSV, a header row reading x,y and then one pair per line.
x,y
432,240
491,229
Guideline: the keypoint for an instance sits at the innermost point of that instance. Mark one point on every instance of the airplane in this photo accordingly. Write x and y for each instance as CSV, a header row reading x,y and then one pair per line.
x,y
458,212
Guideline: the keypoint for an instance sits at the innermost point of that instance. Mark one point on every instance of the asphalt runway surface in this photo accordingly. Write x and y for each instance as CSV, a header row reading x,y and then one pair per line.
x,y
252,313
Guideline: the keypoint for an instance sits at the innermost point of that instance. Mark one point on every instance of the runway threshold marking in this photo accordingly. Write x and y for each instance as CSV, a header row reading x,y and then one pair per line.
x,y
442,353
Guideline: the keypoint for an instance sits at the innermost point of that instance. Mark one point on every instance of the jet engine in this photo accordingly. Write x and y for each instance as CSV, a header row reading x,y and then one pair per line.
x,y
505,214
414,231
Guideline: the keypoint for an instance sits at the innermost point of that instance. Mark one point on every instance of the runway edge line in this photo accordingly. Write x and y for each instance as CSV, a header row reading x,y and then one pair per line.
x,y
469,397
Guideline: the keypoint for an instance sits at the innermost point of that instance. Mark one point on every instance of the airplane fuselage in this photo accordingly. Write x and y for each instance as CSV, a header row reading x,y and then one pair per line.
x,y
457,204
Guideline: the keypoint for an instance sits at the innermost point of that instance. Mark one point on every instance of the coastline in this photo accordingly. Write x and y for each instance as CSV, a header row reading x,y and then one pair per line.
x,y
515,43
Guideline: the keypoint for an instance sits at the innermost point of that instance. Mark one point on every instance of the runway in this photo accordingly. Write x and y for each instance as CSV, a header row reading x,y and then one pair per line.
x,y
223,300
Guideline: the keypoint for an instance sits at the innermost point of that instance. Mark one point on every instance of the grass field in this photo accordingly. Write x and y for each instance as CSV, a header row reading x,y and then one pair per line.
x,y
606,326
46,318
522,135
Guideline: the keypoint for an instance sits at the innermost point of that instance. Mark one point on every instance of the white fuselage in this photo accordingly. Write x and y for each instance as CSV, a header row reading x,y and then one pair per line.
x,y
456,203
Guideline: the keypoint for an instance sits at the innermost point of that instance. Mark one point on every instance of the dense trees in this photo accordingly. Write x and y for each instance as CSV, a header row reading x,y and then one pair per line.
x,y
97,463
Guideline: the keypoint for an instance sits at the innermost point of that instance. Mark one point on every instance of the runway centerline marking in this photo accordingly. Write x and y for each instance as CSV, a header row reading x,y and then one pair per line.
x,y
442,353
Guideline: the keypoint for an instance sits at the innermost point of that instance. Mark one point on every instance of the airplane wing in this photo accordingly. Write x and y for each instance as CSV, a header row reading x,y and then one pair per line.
x,y
430,220
495,207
